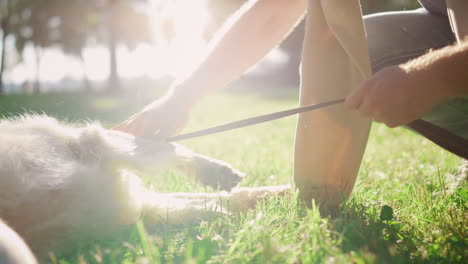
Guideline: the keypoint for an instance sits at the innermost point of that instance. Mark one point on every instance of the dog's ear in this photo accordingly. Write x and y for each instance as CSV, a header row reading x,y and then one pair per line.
x,y
95,144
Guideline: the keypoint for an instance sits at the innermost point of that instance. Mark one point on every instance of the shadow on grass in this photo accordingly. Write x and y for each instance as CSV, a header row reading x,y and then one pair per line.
x,y
74,107
388,241
163,243
365,233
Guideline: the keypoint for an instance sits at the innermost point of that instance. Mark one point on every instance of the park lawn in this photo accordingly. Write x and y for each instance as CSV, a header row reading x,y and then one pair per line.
x,y
401,172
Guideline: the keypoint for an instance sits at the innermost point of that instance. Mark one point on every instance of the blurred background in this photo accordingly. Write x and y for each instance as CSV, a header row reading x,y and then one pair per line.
x,y
113,46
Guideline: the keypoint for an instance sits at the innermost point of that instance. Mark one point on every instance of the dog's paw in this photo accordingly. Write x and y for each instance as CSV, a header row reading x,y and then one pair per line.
x,y
218,174
244,198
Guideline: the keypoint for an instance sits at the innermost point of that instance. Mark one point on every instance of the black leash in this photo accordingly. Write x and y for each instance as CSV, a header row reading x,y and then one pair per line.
x,y
442,137
438,135
253,121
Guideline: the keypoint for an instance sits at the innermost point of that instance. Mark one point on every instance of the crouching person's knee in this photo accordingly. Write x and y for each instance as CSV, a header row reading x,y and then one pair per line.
x,y
13,250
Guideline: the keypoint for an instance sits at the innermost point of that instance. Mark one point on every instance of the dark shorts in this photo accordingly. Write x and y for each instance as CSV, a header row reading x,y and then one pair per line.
x,y
396,37
435,6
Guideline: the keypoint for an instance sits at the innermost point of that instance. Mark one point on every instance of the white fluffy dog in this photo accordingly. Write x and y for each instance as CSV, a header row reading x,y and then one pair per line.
x,y
60,183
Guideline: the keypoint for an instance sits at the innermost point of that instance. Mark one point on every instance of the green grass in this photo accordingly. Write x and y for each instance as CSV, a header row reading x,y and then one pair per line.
x,y
401,172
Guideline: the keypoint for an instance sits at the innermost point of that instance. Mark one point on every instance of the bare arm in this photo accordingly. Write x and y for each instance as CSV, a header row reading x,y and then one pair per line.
x,y
400,94
244,39
445,68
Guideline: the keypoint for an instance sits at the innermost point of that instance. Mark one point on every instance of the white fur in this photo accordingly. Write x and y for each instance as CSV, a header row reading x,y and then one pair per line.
x,y
60,183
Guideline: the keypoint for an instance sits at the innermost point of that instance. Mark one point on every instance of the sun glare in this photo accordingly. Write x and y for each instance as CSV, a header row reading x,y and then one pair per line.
x,y
189,18
175,57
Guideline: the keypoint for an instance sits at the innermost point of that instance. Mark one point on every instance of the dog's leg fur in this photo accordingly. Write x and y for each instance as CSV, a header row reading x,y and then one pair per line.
x,y
180,208
208,171
146,154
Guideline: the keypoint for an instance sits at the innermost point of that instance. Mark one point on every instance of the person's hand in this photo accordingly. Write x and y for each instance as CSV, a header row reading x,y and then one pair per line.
x,y
159,120
395,96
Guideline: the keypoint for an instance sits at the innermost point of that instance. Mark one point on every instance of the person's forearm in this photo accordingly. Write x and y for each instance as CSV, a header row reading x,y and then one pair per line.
x,y
444,70
246,38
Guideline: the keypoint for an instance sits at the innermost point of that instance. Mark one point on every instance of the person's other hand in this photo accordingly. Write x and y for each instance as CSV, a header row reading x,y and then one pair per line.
x,y
395,96
159,120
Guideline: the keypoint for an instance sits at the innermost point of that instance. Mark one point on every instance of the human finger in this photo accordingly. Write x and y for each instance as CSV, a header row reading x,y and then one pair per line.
x,y
365,109
354,100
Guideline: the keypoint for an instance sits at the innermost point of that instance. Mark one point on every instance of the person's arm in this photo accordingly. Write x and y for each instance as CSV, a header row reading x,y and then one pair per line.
x,y
244,39
400,94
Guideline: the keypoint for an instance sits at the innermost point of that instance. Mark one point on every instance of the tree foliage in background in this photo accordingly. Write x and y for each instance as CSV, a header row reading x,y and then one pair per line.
x,y
73,25
5,16
77,20
10,17
38,27
39,24
108,22
121,22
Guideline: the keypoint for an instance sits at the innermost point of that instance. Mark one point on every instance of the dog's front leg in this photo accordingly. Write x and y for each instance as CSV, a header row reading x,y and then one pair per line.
x,y
143,154
215,173
183,208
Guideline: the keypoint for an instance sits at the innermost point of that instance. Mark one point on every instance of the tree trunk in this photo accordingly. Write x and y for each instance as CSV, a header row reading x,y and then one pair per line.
x,y
2,61
37,81
86,83
5,31
114,81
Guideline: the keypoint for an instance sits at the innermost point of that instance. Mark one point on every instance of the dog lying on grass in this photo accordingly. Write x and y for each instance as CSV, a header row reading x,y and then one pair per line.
x,y
60,184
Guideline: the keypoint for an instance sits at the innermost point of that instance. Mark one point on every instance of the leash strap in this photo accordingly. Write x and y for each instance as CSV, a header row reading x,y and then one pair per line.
x,y
438,135
442,137
253,121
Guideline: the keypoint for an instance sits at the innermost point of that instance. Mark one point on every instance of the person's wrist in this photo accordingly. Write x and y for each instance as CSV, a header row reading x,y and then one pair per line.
x,y
443,71
172,100
181,94
429,83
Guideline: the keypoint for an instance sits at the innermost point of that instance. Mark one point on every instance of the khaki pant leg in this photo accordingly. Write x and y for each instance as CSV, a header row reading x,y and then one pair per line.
x,y
330,143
